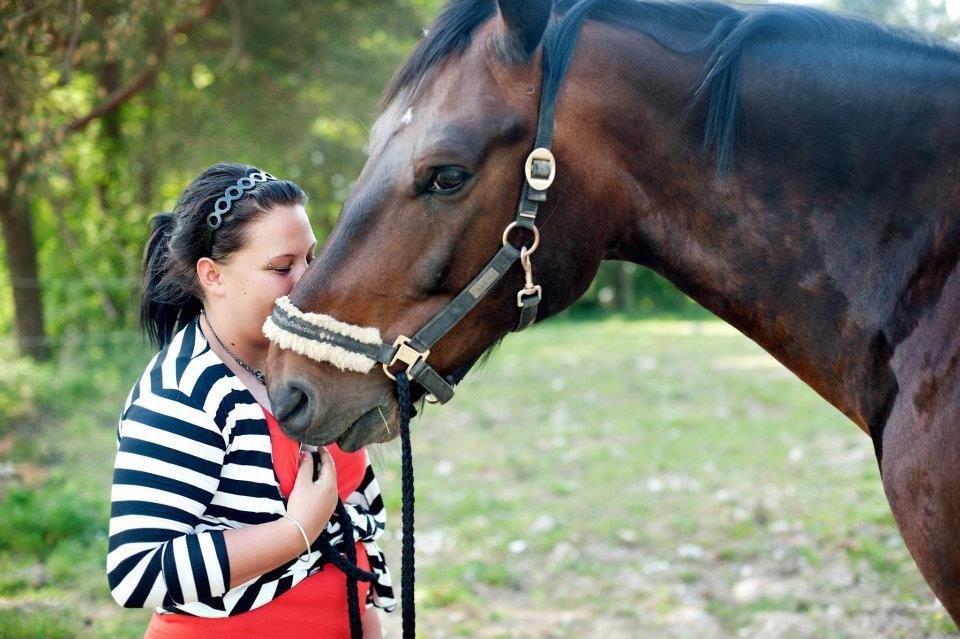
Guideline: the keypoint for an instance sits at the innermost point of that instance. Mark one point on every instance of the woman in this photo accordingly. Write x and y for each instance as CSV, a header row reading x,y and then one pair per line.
x,y
214,510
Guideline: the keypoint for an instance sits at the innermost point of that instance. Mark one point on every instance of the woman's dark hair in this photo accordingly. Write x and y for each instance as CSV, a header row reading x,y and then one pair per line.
x,y
172,295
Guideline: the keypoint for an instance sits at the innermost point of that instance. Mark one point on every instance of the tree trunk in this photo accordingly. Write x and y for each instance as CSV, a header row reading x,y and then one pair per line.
x,y
21,255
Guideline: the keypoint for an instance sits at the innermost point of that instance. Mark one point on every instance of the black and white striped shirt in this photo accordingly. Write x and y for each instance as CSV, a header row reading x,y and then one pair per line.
x,y
193,460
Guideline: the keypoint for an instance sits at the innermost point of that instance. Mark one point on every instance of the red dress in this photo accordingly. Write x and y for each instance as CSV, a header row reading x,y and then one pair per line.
x,y
317,606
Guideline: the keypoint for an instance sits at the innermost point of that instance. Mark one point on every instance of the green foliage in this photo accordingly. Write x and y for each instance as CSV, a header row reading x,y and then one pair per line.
x,y
34,622
35,520
625,287
928,15
18,393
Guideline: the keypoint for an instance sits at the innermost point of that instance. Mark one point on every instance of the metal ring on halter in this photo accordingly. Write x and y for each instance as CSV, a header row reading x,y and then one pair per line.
x,y
536,237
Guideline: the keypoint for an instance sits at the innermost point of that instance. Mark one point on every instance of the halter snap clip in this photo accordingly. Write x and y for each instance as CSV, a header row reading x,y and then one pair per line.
x,y
529,288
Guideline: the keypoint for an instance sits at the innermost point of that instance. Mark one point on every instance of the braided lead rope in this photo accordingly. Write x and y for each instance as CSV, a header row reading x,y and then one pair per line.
x,y
348,564
353,598
407,561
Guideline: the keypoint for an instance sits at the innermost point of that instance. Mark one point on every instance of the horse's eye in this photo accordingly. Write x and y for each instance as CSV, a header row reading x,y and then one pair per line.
x,y
447,179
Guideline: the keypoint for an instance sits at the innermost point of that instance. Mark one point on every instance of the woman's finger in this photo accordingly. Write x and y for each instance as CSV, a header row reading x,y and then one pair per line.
x,y
305,470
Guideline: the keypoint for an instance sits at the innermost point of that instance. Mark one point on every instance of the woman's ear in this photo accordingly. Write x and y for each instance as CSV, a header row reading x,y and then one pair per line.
x,y
211,279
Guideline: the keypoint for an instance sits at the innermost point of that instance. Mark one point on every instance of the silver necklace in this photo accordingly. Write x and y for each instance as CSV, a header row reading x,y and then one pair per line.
x,y
257,374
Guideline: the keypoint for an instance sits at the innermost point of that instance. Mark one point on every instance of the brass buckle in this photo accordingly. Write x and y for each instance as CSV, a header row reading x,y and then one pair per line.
x,y
539,182
405,353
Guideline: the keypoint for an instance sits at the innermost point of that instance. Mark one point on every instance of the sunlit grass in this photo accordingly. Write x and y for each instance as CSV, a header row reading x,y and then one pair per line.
x,y
619,478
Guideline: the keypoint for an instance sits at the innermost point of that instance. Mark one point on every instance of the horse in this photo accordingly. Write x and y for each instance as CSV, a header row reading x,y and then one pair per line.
x,y
794,171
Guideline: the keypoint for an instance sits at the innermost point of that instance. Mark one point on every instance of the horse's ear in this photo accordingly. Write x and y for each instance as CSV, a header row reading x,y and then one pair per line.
x,y
522,25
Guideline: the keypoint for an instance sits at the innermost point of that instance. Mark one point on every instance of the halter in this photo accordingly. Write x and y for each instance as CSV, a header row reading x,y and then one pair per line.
x,y
356,348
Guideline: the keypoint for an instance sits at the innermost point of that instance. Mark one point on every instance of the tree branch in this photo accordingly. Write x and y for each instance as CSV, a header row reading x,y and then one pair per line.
x,y
143,80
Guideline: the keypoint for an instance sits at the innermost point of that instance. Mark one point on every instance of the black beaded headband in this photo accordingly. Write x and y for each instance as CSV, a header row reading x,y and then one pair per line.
x,y
223,205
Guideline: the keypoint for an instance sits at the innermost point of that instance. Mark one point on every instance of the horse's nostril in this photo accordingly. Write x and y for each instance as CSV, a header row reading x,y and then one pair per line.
x,y
288,403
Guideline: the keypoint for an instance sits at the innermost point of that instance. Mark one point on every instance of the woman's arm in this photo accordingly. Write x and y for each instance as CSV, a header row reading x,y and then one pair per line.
x,y
166,472
255,550
167,469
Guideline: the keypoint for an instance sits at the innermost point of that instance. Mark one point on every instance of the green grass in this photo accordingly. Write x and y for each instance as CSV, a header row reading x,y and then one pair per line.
x,y
615,478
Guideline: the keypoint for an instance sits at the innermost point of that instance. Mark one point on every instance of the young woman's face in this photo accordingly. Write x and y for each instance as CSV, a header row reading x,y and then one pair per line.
x,y
278,247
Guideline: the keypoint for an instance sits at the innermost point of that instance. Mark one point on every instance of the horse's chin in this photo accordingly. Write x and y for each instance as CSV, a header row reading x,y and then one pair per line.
x,y
378,425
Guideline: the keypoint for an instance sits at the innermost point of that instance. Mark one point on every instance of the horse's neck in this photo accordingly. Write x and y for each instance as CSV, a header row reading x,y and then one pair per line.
x,y
819,274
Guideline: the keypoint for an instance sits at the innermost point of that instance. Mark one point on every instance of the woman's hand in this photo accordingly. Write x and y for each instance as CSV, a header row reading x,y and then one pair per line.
x,y
312,502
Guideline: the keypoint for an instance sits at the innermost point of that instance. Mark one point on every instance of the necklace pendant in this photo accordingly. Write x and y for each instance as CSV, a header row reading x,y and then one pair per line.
x,y
260,377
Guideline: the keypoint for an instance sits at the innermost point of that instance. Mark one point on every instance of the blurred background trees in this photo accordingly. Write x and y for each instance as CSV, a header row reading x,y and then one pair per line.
x,y
108,108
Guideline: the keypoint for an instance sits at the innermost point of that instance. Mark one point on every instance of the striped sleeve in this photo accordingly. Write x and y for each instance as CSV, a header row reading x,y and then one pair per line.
x,y
166,472
365,507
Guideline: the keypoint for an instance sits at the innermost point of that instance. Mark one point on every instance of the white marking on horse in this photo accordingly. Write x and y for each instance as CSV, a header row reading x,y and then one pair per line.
x,y
407,116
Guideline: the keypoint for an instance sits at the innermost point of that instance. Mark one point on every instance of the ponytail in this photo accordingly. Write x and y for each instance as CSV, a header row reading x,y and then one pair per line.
x,y
167,303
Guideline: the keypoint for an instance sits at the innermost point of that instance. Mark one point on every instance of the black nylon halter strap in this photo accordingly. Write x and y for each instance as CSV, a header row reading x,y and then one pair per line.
x,y
469,297
541,169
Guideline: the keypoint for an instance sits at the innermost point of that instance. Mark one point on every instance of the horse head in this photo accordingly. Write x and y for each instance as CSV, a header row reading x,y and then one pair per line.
x,y
429,209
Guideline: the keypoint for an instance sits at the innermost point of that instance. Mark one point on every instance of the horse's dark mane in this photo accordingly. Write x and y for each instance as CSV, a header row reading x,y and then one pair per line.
x,y
721,32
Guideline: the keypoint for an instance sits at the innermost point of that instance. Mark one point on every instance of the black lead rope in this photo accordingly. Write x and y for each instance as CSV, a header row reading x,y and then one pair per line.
x,y
407,557
348,564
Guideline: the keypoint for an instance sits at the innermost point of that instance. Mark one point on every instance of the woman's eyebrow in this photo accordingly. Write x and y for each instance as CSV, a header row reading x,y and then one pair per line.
x,y
312,247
